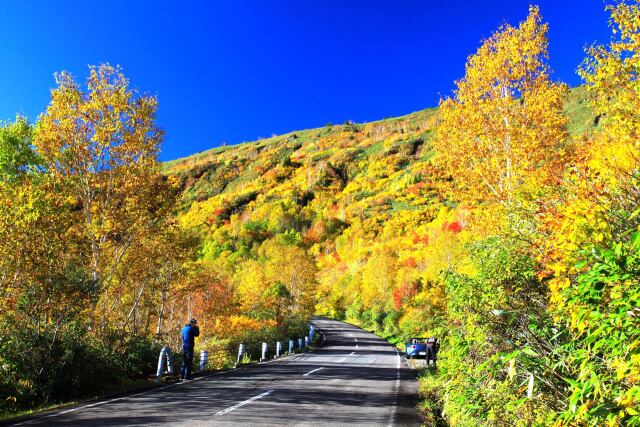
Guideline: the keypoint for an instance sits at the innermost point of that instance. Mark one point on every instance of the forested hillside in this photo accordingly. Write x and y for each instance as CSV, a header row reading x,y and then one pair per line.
x,y
505,221
365,202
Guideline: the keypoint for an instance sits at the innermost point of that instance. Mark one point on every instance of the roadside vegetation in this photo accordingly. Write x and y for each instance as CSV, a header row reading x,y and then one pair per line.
x,y
505,222
96,272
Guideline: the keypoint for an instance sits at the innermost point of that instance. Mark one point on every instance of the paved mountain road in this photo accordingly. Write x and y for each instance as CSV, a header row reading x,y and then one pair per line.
x,y
353,378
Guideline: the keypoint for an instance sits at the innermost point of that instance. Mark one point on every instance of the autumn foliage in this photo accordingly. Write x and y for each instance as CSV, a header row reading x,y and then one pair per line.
x,y
505,127
505,222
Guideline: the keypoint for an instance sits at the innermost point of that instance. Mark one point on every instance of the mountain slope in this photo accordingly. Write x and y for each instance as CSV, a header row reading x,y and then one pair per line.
x,y
341,171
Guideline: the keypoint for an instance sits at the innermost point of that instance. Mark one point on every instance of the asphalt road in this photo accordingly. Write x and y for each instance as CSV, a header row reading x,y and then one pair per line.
x,y
353,378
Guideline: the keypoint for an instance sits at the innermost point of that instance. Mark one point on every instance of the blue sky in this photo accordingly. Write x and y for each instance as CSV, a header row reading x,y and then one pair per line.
x,y
235,71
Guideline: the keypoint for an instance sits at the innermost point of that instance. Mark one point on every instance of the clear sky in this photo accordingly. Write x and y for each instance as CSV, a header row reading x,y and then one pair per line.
x,y
233,71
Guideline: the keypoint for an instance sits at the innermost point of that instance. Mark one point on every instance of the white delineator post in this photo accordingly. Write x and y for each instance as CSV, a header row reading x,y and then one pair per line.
x,y
241,351
290,346
264,351
306,341
278,348
164,361
204,359
300,343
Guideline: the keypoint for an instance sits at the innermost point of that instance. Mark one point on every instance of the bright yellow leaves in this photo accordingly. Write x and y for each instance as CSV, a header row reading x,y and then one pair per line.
x,y
100,146
280,283
604,182
612,76
378,277
504,129
94,241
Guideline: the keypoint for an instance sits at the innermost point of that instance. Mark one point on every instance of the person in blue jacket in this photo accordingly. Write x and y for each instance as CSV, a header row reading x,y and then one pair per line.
x,y
189,332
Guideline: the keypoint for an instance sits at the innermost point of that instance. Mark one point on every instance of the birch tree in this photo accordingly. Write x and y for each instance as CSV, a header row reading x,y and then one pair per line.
x,y
504,127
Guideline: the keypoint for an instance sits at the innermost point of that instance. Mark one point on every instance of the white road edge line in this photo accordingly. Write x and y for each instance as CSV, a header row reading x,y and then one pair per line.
x,y
311,372
392,419
155,389
152,390
92,405
245,402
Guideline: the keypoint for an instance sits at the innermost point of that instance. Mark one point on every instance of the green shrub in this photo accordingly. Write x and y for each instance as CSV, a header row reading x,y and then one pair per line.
x,y
603,312
499,334
48,365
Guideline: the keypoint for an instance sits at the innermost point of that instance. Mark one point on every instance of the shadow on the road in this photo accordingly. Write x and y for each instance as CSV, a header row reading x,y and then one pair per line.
x,y
123,420
349,389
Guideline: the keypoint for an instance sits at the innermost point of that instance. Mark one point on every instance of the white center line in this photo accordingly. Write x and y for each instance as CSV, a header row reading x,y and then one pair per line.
x,y
311,372
238,405
345,358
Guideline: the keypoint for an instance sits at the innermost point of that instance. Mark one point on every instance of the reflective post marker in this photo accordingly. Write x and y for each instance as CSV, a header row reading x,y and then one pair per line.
x,y
169,364
241,351
278,348
204,359
164,361
530,386
264,351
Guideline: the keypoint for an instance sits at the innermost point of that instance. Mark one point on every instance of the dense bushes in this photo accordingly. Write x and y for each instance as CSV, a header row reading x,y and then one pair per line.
x,y
603,315
496,338
42,366
507,360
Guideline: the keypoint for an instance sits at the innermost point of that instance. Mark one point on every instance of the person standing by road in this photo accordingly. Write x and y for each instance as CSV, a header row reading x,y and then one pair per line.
x,y
432,350
189,333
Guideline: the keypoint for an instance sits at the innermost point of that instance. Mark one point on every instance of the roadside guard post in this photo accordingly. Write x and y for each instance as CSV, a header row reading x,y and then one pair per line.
x,y
312,332
306,341
299,342
164,361
204,359
241,351
264,351
278,348
290,346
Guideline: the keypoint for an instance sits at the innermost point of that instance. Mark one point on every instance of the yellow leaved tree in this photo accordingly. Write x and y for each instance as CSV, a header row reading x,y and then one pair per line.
x,y
99,147
504,128
612,73
605,185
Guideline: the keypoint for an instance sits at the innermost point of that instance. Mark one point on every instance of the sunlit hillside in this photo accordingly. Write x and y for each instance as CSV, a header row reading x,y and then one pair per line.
x,y
307,180
499,229
373,179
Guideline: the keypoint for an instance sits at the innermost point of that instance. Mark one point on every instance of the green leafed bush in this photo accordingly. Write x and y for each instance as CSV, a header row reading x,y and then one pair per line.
x,y
603,312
